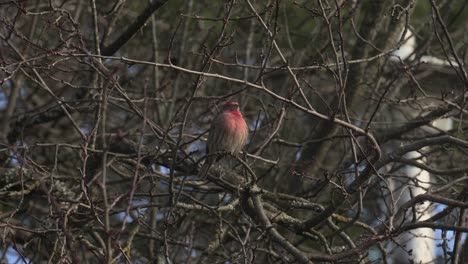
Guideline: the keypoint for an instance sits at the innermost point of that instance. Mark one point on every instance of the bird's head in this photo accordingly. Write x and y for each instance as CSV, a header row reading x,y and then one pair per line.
x,y
231,106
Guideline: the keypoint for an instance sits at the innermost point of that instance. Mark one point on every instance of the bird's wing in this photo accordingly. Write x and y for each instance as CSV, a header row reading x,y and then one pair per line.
x,y
215,132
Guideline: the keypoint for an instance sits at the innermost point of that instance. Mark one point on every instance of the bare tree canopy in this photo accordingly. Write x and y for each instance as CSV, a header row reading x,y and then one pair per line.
x,y
356,110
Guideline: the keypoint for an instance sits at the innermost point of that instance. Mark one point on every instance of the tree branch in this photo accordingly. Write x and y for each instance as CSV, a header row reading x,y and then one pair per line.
x,y
133,28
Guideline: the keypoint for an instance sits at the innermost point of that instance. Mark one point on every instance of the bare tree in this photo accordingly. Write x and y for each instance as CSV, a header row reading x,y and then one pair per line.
x,y
106,105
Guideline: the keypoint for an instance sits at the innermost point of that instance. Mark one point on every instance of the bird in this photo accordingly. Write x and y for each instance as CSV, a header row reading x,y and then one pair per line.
x,y
406,51
228,133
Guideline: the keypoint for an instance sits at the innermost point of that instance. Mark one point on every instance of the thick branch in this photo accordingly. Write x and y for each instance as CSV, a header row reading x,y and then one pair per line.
x,y
133,28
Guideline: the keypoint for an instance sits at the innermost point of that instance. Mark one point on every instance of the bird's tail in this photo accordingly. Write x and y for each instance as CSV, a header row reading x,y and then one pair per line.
x,y
205,168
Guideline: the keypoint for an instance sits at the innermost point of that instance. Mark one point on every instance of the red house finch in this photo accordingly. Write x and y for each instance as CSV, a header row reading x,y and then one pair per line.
x,y
228,133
